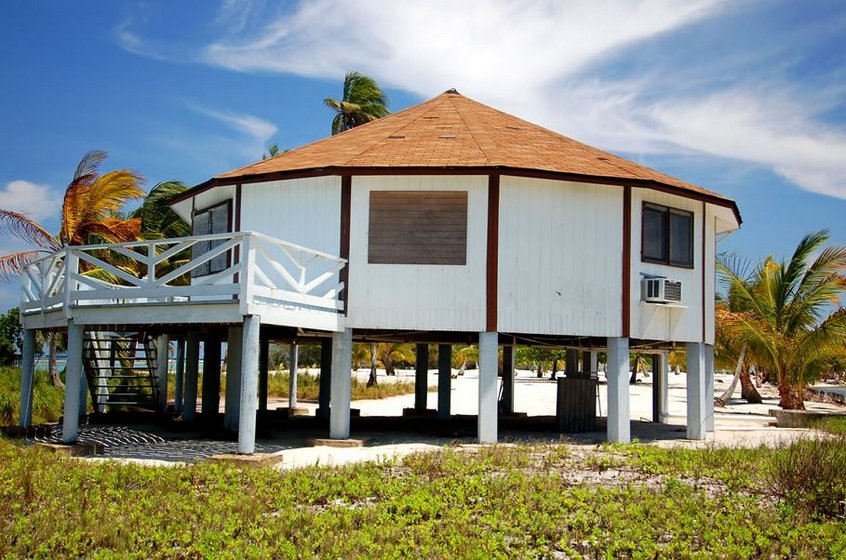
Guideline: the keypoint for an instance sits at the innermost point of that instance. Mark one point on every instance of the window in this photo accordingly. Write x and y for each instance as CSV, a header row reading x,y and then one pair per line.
x,y
216,219
667,236
418,227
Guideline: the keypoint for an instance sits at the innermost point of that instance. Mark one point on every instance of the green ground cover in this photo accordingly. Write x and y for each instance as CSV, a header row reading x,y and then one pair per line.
x,y
47,400
607,501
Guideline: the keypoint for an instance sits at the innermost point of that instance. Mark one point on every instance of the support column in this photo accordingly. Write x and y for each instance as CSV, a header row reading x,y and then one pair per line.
x,y
179,381
585,369
617,372
162,357
73,380
83,392
27,377
488,358
232,399
421,376
211,378
294,366
660,405
709,387
264,366
571,363
695,390
192,367
508,379
444,380
248,374
339,408
325,393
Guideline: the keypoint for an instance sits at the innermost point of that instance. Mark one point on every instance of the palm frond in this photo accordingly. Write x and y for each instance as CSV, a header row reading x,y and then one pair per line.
x,y
27,229
12,265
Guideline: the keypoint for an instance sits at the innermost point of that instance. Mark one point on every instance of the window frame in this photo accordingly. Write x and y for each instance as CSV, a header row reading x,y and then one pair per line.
x,y
667,211
207,269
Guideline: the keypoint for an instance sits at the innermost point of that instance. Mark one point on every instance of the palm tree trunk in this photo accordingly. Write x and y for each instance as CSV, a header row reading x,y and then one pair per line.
x,y
52,345
371,381
791,397
726,396
748,392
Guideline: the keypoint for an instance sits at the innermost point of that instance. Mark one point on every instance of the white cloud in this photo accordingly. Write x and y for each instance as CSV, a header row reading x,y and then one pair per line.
x,y
36,201
256,131
548,61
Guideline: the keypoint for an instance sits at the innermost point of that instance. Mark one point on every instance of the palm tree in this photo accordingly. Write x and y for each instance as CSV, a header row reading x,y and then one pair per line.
x,y
158,220
730,352
89,215
787,323
272,151
363,101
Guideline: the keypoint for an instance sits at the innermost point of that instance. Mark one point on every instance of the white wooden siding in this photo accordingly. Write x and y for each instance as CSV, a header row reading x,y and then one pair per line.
x,y
560,258
419,297
306,212
660,322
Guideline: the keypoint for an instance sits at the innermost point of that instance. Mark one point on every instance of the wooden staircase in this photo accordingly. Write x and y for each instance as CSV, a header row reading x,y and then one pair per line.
x,y
121,370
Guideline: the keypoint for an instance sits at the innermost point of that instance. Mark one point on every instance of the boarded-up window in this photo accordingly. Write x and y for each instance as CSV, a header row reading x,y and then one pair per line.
x,y
418,227
216,219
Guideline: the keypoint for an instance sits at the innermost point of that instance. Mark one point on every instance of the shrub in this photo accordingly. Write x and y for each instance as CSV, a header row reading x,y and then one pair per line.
x,y
47,400
810,475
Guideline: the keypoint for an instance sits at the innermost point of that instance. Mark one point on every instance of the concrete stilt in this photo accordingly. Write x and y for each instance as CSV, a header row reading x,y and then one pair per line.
x,y
264,365
660,404
325,394
488,358
27,377
617,372
192,367
233,377
444,381
248,386
508,379
179,377
162,358
211,377
571,363
73,380
696,390
83,393
339,408
421,376
709,387
585,369
294,365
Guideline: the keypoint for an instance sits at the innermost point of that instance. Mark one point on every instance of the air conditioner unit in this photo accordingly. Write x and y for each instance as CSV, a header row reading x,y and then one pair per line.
x,y
660,290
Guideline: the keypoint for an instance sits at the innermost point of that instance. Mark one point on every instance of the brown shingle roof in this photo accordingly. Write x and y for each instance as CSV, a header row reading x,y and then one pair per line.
x,y
451,130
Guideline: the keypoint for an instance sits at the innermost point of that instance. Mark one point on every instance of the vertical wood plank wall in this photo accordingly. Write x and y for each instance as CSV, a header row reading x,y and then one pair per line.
x,y
418,296
560,254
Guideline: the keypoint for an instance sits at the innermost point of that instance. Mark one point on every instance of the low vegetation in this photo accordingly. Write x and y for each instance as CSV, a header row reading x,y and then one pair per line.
x,y
492,502
47,400
308,387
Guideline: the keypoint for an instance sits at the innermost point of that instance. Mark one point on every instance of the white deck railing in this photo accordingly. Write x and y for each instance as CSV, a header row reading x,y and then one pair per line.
x,y
249,268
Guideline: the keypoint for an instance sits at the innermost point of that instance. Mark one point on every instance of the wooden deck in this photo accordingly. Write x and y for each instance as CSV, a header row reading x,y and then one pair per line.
x,y
218,278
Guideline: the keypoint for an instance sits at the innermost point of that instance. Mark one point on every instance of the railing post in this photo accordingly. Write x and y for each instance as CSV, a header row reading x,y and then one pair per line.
x,y
71,269
151,263
248,272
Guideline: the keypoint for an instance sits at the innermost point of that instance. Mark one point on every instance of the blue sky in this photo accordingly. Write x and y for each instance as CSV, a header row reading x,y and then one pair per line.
x,y
745,97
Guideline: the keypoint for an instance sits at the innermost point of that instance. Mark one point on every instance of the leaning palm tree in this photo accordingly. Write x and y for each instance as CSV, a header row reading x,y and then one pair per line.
x,y
792,323
158,220
363,101
89,215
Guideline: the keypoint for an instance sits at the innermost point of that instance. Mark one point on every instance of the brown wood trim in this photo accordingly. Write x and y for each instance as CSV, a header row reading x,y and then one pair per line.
x,y
704,267
627,261
450,170
237,208
491,285
344,248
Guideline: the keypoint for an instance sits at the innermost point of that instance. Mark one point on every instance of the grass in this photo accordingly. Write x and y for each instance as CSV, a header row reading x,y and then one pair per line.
x,y
495,502
308,387
47,400
832,424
